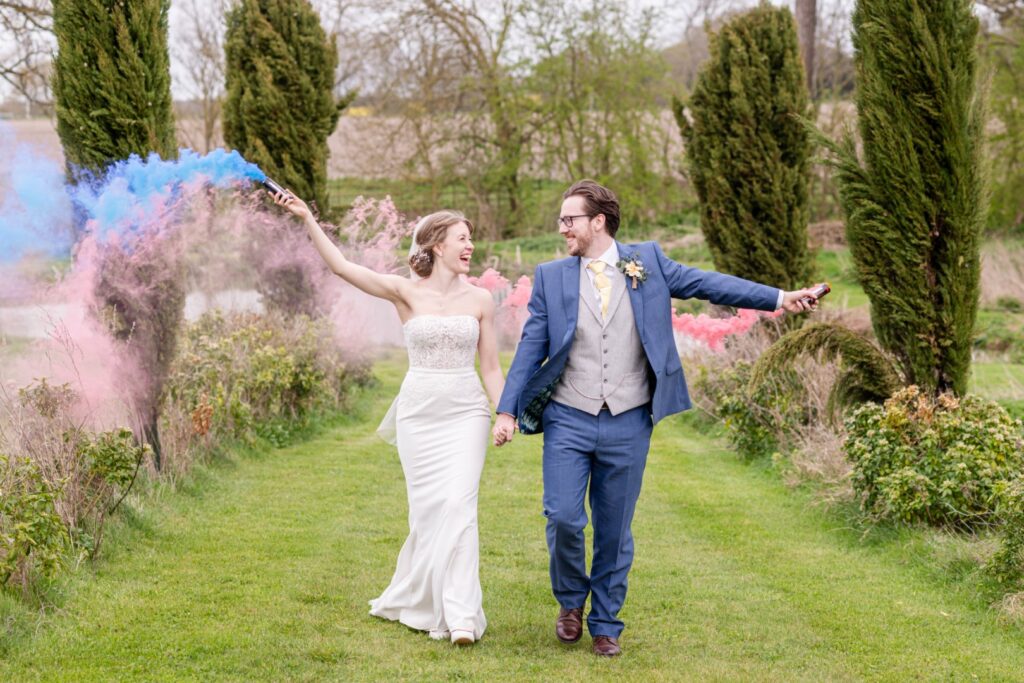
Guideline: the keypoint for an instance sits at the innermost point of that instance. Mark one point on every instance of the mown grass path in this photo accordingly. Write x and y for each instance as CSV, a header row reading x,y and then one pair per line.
x,y
261,569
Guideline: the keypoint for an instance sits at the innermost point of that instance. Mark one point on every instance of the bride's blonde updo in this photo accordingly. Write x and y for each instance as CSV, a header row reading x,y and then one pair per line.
x,y
431,231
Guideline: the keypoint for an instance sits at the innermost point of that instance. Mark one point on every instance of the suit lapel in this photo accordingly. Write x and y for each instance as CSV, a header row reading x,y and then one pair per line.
x,y
618,291
636,296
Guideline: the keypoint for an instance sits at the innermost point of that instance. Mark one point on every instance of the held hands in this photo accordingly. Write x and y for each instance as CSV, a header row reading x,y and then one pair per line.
x,y
293,204
799,300
504,428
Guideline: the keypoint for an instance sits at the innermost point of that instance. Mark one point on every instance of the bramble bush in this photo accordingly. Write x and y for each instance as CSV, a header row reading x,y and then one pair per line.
x,y
919,458
781,415
60,482
758,424
33,539
253,377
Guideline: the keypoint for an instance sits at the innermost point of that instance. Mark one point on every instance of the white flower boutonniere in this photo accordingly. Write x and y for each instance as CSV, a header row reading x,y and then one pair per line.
x,y
634,268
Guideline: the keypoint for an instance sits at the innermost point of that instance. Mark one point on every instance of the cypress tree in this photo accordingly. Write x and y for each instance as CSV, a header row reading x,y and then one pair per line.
x,y
914,203
112,82
112,87
748,151
280,108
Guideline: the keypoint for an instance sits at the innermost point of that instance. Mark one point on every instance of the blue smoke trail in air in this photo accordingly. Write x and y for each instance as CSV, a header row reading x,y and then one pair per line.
x,y
131,190
37,211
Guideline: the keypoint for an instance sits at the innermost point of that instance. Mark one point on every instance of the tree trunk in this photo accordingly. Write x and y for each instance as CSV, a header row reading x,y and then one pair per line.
x,y
151,435
806,25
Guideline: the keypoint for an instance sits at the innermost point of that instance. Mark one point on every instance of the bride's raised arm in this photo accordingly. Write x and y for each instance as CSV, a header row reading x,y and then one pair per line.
x,y
385,286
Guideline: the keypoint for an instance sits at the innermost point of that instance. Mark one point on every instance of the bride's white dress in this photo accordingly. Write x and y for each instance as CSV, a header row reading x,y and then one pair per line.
x,y
441,425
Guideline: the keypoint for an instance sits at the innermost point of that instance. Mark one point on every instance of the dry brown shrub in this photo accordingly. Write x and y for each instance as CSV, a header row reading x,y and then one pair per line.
x,y
810,452
1011,608
43,429
828,234
818,456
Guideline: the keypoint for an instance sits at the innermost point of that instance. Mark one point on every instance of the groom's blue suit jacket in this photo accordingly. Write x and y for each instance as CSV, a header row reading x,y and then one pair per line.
x,y
554,306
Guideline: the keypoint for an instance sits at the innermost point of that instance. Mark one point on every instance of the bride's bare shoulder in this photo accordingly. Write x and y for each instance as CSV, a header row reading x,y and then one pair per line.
x,y
483,300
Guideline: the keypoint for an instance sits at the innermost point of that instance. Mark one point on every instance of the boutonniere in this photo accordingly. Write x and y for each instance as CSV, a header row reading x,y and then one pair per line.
x,y
634,268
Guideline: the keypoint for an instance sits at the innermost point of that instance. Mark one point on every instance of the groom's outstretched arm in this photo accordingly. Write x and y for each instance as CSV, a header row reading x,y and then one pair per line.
x,y
685,282
532,349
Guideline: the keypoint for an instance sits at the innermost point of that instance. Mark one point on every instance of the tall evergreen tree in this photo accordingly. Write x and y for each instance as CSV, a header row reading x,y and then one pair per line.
x,y
112,87
112,81
280,106
748,151
914,204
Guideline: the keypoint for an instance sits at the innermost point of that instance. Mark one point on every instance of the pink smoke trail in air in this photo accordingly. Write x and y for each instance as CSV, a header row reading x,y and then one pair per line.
x,y
712,331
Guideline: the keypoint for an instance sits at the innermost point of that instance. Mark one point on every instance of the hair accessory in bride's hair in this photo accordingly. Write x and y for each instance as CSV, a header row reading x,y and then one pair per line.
x,y
420,260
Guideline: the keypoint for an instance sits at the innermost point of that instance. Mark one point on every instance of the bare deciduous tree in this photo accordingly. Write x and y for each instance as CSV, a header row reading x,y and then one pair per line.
x,y
806,12
199,48
26,48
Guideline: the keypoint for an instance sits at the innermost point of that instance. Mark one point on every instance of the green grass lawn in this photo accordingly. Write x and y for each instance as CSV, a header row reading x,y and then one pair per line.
x,y
261,567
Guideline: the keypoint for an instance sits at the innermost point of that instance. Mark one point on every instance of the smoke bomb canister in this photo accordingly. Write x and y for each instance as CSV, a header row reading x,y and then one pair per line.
x,y
818,292
274,187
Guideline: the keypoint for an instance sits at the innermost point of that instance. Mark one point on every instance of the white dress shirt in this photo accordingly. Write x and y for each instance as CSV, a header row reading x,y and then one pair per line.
x,y
611,258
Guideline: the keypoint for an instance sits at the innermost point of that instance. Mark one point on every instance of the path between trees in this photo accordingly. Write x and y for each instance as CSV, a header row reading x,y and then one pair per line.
x,y
260,569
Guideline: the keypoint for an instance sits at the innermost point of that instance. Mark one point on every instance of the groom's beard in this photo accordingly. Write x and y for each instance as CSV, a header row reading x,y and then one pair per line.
x,y
579,245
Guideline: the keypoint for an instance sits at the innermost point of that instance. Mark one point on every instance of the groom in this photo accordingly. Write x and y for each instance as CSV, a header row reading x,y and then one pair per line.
x,y
602,320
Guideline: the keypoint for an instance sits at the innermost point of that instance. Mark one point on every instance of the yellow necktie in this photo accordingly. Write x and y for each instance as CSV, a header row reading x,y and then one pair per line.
x,y
603,284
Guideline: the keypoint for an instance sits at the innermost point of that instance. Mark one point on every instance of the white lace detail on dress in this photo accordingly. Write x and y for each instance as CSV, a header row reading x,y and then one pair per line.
x,y
442,342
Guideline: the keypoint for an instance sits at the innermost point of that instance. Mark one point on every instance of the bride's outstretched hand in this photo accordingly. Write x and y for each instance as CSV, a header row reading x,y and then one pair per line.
x,y
293,204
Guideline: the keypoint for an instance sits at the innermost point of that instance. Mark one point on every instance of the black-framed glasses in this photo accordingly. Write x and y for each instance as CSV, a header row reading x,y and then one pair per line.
x,y
567,220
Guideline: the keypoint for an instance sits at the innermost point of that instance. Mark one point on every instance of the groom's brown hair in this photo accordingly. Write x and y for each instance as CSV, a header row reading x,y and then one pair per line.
x,y
598,199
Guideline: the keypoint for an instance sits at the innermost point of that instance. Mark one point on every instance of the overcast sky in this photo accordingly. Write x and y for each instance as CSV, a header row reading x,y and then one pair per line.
x,y
674,15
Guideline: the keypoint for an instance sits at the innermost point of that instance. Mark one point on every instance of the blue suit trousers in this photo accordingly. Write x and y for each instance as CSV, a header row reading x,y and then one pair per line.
x,y
609,454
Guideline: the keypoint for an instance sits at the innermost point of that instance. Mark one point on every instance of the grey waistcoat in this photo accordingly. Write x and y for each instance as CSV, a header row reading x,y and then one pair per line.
x,y
606,363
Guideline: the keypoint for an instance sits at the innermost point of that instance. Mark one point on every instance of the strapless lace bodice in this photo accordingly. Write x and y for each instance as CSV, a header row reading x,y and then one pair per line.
x,y
442,342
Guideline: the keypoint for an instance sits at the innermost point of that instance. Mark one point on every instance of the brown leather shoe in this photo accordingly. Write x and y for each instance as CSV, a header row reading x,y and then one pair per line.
x,y
606,646
569,626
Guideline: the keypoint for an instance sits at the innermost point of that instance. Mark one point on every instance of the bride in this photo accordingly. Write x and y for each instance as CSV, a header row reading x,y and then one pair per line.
x,y
441,420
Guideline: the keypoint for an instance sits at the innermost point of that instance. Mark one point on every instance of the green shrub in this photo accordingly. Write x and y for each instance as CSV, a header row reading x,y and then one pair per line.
x,y
1015,407
1006,566
930,459
250,376
997,334
1009,303
32,536
111,458
757,424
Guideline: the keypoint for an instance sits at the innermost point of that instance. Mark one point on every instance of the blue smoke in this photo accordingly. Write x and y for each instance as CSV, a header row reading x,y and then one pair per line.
x,y
131,190
39,211
34,211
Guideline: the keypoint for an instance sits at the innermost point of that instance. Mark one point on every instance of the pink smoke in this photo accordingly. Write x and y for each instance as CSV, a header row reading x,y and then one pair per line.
x,y
491,280
216,232
712,331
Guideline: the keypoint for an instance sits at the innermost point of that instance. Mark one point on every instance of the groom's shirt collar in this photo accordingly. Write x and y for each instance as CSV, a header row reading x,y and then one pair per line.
x,y
611,257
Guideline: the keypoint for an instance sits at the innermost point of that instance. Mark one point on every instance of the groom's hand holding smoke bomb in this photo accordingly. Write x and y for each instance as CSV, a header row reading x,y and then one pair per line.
x,y
802,300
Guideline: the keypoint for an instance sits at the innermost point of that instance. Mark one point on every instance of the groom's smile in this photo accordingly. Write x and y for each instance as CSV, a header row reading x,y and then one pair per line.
x,y
574,225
